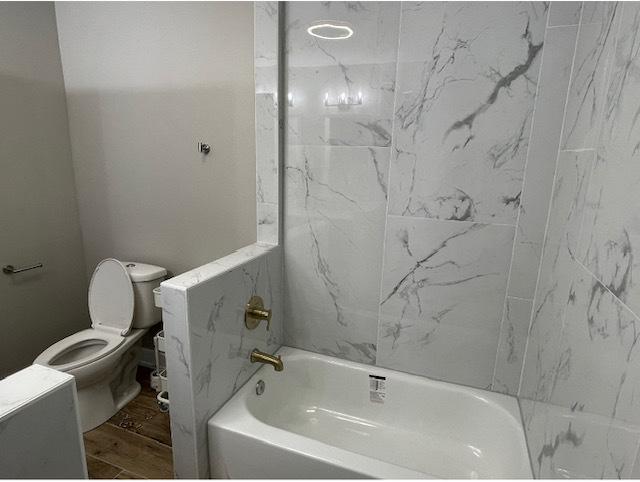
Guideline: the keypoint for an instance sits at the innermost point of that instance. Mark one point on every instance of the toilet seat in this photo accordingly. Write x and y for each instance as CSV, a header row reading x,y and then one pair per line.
x,y
111,305
79,349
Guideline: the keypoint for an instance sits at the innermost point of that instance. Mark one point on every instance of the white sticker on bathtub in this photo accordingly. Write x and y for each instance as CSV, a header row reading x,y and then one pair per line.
x,y
377,388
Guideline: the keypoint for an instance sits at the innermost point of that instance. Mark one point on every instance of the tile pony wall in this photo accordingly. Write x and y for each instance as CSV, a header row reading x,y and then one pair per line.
x,y
208,346
402,212
40,431
581,376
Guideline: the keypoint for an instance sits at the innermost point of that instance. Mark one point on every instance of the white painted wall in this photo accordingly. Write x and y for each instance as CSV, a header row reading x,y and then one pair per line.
x,y
38,210
145,82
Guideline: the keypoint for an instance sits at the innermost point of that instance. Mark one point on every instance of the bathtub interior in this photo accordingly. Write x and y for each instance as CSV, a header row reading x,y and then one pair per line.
x,y
431,427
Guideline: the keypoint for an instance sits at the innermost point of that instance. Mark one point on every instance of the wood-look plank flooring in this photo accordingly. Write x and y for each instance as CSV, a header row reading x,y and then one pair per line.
x,y
133,444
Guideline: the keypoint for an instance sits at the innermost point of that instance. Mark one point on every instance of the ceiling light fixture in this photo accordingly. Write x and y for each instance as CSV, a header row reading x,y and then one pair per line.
x,y
330,31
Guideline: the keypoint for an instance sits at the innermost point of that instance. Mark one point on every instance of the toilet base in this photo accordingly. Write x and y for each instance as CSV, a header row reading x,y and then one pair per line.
x,y
96,404
101,400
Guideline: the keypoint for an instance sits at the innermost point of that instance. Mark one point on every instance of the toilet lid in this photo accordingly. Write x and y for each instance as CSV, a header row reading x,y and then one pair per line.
x,y
111,296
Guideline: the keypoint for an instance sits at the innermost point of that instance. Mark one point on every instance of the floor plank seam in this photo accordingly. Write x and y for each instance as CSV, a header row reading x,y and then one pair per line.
x,y
118,467
141,436
138,434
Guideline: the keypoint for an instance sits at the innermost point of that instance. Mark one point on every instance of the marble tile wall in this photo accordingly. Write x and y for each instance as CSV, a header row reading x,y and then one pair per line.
x,y
337,175
208,346
40,431
581,371
568,443
401,213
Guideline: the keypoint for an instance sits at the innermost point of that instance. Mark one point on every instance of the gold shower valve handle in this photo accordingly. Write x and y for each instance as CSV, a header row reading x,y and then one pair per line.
x,y
255,312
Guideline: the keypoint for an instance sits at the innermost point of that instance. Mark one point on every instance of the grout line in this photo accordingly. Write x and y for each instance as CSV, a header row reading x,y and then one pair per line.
x,y
520,298
553,188
595,277
386,213
517,225
582,149
563,26
119,473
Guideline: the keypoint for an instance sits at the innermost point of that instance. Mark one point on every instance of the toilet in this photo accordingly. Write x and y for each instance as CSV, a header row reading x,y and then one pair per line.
x,y
104,358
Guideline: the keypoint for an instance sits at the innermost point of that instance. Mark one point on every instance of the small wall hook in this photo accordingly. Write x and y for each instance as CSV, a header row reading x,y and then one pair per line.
x,y
204,148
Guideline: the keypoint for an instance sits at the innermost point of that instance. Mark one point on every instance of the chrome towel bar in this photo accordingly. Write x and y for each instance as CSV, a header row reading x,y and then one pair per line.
x,y
10,269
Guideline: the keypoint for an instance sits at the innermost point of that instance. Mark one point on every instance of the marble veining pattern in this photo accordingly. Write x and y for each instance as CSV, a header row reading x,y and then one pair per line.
x,y
564,13
467,79
582,359
541,160
335,209
587,90
600,336
221,344
568,443
610,236
363,64
208,345
545,363
511,345
442,298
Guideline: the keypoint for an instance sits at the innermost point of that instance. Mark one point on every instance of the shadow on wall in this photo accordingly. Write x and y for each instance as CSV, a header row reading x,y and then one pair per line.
x,y
144,190
39,216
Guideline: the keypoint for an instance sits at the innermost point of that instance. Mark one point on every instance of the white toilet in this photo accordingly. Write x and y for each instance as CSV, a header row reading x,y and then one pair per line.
x,y
104,358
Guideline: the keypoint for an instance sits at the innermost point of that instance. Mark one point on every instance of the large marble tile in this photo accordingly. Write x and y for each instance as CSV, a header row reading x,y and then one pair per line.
x,y
335,200
465,94
40,436
362,64
587,91
597,12
564,13
567,443
546,359
611,233
511,346
599,338
541,160
443,291
310,122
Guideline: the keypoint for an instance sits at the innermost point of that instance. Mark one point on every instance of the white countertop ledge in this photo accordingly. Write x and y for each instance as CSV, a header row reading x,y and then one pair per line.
x,y
29,384
211,270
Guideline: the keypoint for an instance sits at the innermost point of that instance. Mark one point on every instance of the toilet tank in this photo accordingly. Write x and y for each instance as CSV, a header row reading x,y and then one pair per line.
x,y
145,277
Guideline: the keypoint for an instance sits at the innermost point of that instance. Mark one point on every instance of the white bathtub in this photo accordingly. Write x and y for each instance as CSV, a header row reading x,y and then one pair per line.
x,y
316,419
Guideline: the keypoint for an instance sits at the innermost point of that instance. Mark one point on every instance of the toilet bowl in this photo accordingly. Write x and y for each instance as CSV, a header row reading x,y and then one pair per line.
x,y
104,358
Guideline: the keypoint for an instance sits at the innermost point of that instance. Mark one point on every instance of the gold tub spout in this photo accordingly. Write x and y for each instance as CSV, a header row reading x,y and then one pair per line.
x,y
274,360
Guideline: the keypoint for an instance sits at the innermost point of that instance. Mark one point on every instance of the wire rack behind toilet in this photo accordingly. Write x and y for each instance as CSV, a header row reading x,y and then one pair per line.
x,y
159,375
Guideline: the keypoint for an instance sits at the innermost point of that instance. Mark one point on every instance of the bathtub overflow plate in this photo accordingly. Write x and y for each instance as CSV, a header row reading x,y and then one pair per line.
x,y
260,387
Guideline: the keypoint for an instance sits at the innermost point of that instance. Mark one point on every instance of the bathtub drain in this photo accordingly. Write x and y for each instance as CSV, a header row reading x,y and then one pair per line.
x,y
259,387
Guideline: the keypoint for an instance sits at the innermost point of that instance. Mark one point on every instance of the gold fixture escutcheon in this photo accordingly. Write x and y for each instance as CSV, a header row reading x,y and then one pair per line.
x,y
255,312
